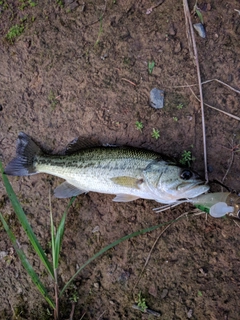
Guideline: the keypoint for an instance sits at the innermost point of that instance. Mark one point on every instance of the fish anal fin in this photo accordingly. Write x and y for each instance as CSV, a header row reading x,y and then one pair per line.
x,y
124,198
67,190
126,181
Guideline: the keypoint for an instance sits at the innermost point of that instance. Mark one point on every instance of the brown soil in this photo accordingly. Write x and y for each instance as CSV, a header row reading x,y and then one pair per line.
x,y
72,73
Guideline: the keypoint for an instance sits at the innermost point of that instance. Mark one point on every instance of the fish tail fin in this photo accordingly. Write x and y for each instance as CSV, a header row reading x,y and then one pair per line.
x,y
26,152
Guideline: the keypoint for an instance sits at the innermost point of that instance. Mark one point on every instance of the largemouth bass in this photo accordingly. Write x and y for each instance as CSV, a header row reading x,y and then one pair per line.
x,y
126,172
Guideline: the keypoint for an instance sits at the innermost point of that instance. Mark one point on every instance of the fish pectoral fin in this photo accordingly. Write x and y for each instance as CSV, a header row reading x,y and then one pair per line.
x,y
124,198
126,181
67,190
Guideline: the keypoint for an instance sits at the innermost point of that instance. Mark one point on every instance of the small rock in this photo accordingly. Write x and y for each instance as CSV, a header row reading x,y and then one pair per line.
x,y
157,98
189,313
210,168
96,229
153,290
178,47
172,31
200,29
96,285
164,293
1,107
3,254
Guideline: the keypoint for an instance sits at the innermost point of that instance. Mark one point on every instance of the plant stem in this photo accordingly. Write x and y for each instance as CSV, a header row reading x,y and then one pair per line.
x,y
56,310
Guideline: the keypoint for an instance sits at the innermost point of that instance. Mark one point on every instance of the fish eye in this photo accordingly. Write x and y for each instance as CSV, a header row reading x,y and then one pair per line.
x,y
186,174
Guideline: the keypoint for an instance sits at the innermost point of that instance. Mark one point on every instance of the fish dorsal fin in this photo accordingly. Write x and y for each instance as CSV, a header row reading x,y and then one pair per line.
x,y
67,190
124,198
81,143
128,182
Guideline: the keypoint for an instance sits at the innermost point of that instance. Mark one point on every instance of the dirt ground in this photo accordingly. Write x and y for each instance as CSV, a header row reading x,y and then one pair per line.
x,y
81,69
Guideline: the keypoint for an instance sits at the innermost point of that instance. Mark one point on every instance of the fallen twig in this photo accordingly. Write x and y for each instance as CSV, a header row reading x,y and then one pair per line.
x,y
190,33
233,150
149,311
225,84
149,10
208,105
230,164
72,311
134,84
207,81
101,315
154,244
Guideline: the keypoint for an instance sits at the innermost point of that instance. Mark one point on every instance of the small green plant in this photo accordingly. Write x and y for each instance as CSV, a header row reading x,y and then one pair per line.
x,y
197,11
180,106
175,119
155,134
186,158
151,65
139,125
4,5
200,293
100,31
32,3
141,302
60,3
52,99
14,32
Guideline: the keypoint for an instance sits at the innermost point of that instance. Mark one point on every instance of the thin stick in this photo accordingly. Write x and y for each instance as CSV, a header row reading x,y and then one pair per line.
x,y
230,164
153,246
72,311
82,316
225,84
149,10
134,84
207,81
149,311
236,223
208,105
101,315
189,26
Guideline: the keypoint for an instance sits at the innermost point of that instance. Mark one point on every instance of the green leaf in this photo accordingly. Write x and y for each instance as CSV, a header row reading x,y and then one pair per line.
x,y
25,224
151,65
57,238
199,14
27,264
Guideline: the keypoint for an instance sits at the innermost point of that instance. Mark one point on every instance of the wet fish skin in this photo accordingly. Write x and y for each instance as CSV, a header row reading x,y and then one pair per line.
x,y
128,173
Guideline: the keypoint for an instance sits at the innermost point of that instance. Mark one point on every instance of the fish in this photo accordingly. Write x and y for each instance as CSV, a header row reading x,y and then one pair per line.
x,y
126,172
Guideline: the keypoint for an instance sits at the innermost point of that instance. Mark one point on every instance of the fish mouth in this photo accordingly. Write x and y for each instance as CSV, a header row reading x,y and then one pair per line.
x,y
193,189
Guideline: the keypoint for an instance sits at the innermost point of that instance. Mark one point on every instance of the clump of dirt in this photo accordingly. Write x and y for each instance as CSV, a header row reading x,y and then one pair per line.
x,y
72,68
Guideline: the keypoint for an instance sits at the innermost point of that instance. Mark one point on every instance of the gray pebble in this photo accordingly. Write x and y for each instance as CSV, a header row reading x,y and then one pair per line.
x,y
200,29
157,98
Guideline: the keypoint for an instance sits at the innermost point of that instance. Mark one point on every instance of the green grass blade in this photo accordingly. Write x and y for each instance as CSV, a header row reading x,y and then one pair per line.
x,y
59,235
60,231
52,236
113,244
27,264
25,224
